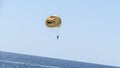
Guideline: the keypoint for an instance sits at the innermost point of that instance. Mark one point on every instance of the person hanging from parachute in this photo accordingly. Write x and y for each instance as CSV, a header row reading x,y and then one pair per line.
x,y
53,21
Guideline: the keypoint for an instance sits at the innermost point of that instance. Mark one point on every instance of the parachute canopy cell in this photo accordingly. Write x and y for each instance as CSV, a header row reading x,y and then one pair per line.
x,y
53,21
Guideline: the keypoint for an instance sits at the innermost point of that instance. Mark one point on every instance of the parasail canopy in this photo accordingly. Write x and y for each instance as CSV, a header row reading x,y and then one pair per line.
x,y
53,21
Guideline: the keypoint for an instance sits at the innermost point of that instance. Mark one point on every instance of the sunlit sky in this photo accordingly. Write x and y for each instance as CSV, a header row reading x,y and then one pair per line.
x,y
90,30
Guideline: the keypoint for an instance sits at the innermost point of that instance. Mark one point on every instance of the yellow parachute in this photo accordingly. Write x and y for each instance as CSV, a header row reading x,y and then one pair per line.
x,y
53,21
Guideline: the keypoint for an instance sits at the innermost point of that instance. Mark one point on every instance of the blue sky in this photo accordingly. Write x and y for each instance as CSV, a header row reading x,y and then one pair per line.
x,y
90,30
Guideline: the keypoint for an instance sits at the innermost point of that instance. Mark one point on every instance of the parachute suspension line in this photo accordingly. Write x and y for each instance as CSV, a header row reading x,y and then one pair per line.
x,y
58,34
58,29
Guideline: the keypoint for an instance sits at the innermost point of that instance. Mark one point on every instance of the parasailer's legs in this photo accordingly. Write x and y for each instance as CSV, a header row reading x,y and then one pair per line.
x,y
57,36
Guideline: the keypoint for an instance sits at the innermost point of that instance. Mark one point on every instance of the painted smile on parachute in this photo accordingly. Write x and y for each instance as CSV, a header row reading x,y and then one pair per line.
x,y
49,22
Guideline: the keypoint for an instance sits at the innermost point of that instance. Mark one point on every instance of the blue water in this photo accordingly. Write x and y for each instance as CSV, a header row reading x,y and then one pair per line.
x,y
12,60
